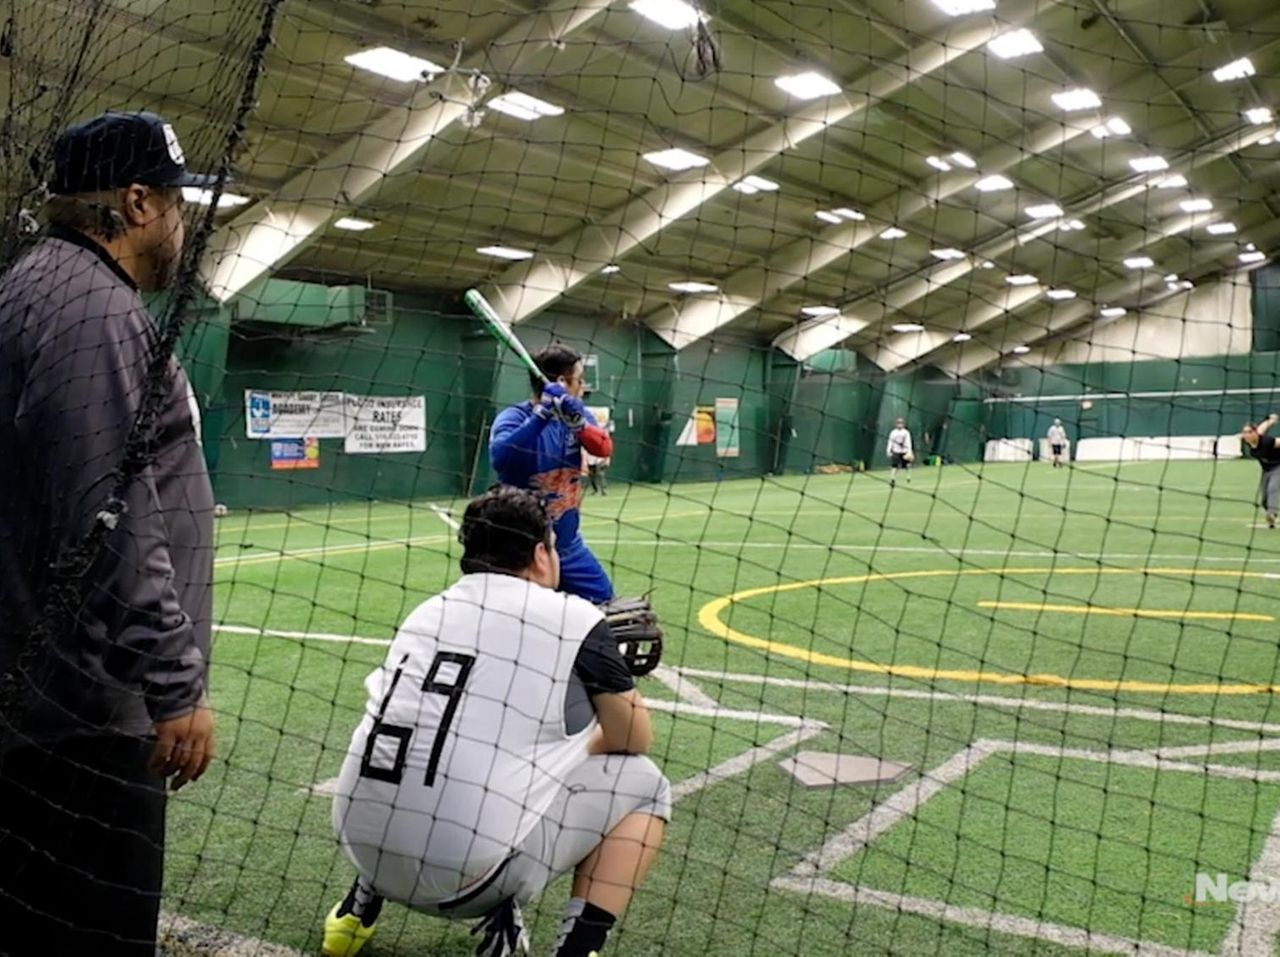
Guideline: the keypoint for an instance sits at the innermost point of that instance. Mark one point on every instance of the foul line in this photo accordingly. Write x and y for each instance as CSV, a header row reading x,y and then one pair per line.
x,y
709,619
300,635
1125,612
741,763
353,549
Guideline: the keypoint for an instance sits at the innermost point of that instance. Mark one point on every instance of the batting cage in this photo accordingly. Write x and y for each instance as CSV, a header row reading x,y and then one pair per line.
x,y
641,477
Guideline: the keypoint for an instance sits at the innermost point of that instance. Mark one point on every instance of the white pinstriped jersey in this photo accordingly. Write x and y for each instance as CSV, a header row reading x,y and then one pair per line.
x,y
463,744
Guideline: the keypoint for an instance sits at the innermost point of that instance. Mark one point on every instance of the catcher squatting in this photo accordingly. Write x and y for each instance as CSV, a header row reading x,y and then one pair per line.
x,y
503,742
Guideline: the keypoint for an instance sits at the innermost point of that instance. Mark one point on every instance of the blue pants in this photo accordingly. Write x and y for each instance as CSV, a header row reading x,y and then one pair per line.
x,y
582,574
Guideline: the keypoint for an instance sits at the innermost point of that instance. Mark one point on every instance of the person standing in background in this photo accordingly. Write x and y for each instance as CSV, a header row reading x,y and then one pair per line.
x,y
116,702
1057,442
900,451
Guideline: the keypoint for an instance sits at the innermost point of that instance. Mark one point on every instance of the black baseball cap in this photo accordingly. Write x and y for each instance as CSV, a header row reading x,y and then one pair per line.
x,y
114,150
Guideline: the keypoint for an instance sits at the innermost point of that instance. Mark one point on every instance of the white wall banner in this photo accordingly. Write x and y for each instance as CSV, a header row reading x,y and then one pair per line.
x,y
386,423
294,415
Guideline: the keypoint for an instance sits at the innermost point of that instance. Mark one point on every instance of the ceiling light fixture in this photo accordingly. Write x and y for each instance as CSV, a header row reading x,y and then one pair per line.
x,y
957,8
755,184
947,253
523,106
610,269
1252,257
1073,101
993,183
353,224
1020,350
1176,181
672,14
1220,229
961,337
1196,205
820,312
676,159
1113,312
1259,115
1061,295
1013,44
394,64
1149,164
1044,211
204,197
505,252
1021,279
1139,262
1235,70
963,159
807,86
938,163
893,232
692,286
907,327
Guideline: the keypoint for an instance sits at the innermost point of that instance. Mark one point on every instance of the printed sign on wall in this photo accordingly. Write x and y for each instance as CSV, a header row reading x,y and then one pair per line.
x,y
727,446
294,415
295,453
386,424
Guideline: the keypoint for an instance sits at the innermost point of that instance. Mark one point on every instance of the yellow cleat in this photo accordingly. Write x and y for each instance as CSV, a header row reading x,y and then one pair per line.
x,y
345,935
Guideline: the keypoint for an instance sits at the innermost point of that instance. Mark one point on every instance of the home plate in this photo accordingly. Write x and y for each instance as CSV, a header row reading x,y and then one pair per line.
x,y
822,769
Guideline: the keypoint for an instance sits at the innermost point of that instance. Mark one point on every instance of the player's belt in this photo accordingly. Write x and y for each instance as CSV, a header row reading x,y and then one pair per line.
x,y
476,890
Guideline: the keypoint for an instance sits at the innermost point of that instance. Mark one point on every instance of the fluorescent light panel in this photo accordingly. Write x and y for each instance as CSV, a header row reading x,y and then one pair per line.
x,y
1020,350
1149,164
963,159
1021,279
1113,312
807,86
204,197
610,269
505,252
907,327
394,64
1235,70
1061,295
958,8
1044,211
1073,101
893,232
938,163
1221,229
1176,181
1014,44
672,14
1252,257
1259,115
1139,262
676,159
961,337
691,285
1196,205
993,183
755,184
523,106
353,224
819,312
947,253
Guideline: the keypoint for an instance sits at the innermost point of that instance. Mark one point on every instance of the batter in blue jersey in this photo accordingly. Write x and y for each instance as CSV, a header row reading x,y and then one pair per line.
x,y
538,445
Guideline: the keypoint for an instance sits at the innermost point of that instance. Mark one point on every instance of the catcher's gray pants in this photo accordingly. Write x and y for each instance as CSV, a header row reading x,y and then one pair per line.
x,y
1269,491
594,800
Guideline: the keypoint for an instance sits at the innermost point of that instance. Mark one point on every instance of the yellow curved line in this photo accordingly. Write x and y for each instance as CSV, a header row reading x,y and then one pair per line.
x,y
709,618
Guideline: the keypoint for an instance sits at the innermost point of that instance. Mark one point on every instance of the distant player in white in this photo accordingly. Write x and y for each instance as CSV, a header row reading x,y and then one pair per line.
x,y
899,450
502,746
1057,442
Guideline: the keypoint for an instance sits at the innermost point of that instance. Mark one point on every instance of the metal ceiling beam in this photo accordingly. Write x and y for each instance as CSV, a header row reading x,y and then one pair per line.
x,y
528,288
270,232
685,322
805,343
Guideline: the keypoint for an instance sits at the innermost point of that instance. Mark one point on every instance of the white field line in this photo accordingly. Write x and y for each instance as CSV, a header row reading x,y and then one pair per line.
x,y
941,551
1256,922
1144,759
181,935
683,687
444,516
741,763
261,558
729,714
1221,747
901,805
299,635
985,920
995,701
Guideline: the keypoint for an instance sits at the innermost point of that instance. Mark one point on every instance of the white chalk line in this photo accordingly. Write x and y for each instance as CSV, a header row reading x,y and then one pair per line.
x,y
444,516
193,937
996,701
741,763
1253,930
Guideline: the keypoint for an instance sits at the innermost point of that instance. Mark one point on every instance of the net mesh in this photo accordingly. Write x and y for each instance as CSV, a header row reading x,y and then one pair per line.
x,y
916,339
